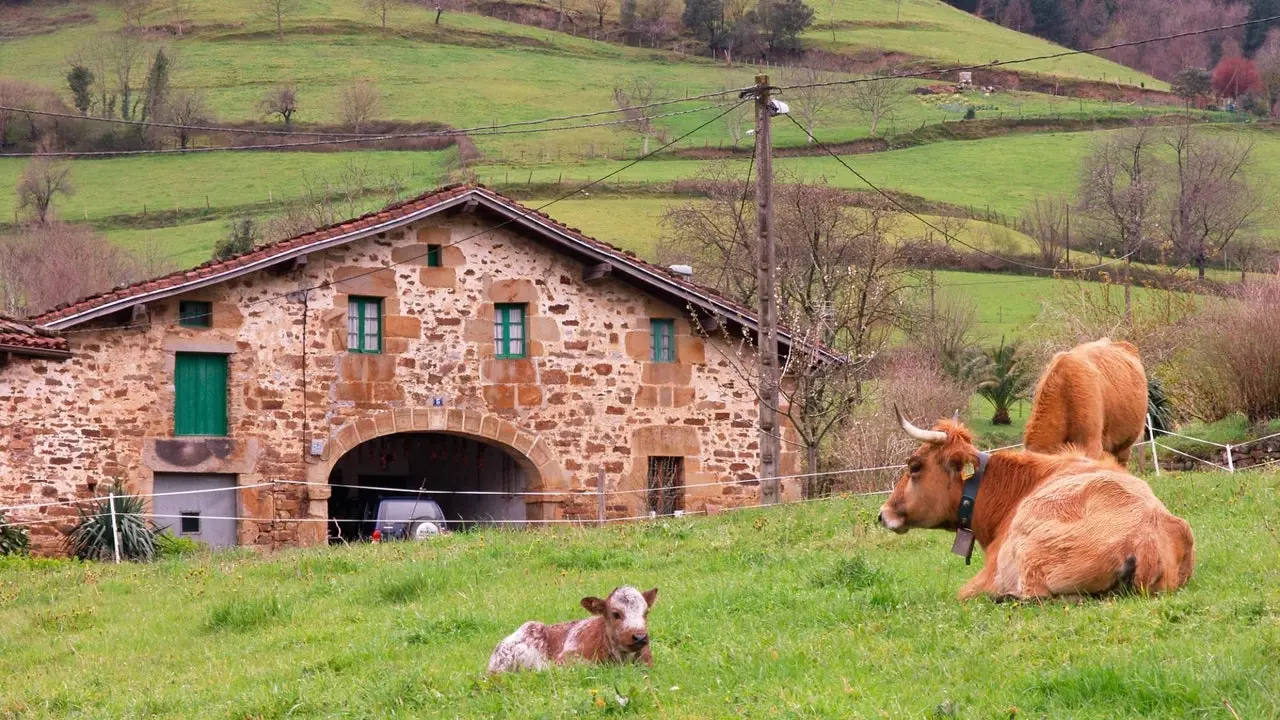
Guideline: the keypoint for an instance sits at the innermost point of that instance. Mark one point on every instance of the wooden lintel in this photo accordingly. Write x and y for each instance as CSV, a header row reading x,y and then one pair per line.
x,y
591,273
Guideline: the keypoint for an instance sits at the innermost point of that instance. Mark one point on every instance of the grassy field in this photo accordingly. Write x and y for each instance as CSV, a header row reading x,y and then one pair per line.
x,y
799,612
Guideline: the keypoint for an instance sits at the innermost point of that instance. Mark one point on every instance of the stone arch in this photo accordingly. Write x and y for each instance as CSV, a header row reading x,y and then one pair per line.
x,y
544,472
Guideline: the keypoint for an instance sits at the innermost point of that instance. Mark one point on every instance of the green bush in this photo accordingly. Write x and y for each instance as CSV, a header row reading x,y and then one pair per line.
x,y
92,538
13,538
169,546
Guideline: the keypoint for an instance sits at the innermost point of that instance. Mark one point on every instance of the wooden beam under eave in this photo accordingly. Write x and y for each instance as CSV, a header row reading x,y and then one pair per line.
x,y
592,273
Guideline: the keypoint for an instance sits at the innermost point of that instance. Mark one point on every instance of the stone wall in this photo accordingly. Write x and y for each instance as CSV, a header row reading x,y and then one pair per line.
x,y
587,397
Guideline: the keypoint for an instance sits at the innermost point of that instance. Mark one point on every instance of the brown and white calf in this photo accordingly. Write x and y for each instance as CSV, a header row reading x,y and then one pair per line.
x,y
1049,525
616,632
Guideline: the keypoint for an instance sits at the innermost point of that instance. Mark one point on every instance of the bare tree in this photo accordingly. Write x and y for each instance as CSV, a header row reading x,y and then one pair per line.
x,y
277,11
1048,222
280,100
42,266
1211,200
42,180
180,13
185,108
877,97
127,55
816,98
653,19
601,7
360,102
633,94
1267,60
134,14
379,9
841,288
1117,194
565,9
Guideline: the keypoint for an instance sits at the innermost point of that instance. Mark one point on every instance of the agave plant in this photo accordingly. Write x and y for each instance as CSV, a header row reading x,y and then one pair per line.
x,y
13,538
1001,377
1158,405
93,537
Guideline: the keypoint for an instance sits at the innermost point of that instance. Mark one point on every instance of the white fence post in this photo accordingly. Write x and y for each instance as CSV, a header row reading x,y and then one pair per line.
x,y
115,529
1231,464
1151,433
600,499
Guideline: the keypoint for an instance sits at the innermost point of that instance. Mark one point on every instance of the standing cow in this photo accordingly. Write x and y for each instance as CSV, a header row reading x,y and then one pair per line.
x,y
1049,525
1093,397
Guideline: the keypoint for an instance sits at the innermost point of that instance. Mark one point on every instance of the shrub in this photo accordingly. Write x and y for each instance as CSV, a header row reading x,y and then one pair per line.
x,y
871,437
13,538
169,546
93,539
242,234
1237,347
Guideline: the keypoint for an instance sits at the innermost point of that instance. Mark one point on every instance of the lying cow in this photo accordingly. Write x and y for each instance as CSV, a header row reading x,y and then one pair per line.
x,y
1048,525
616,632
1093,397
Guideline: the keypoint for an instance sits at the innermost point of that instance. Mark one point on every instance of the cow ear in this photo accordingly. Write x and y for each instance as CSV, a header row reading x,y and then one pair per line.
x,y
593,605
650,596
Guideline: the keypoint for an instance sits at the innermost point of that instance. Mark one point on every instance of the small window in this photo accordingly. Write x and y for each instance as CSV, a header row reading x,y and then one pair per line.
x,y
434,256
508,331
195,313
665,485
364,324
662,341
189,523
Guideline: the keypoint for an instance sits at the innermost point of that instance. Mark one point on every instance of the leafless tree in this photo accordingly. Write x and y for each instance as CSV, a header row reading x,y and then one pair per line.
x,y
277,11
814,100
280,100
1048,222
361,101
1267,60
1211,199
565,11
877,98
180,13
127,54
653,21
187,107
1118,195
134,14
841,288
634,93
42,180
601,7
379,9
42,266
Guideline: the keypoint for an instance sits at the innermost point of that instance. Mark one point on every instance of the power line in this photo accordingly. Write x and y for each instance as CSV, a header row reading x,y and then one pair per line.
x,y
521,213
345,141
944,233
1050,56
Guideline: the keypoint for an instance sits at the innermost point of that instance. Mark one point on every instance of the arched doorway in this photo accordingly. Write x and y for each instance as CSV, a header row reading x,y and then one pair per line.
x,y
472,481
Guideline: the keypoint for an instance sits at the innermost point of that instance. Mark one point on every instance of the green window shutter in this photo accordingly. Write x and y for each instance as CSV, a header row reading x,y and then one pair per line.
x,y
195,313
509,331
364,324
662,340
200,394
434,256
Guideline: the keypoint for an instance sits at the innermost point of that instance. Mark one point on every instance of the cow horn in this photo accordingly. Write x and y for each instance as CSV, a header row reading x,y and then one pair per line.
x,y
955,416
929,436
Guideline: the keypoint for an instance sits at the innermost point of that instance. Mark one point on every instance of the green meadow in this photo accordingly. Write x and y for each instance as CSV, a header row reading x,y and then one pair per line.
x,y
803,611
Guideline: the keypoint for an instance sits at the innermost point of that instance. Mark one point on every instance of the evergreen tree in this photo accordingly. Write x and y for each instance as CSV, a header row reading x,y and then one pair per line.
x,y
1256,35
80,80
627,17
157,87
705,19
783,22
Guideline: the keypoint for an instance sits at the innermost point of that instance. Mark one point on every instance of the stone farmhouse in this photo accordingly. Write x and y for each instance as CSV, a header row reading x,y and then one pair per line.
x,y
455,341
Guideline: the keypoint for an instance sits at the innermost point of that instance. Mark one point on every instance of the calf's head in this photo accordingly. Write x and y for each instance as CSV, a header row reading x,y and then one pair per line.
x,y
625,614
928,493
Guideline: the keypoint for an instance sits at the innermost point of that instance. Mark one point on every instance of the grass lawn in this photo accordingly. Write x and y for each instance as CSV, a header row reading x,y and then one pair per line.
x,y
1231,430
800,612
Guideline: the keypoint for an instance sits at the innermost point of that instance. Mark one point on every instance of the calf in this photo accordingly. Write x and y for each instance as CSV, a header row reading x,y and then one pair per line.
x,y
616,632
1048,525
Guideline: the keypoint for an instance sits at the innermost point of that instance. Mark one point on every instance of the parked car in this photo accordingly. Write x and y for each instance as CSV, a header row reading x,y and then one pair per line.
x,y
404,518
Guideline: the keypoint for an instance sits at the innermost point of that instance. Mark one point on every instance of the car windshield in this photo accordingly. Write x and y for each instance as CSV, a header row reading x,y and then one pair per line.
x,y
398,510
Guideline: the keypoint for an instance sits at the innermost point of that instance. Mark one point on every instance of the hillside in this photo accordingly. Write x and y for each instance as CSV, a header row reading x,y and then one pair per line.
x,y
802,611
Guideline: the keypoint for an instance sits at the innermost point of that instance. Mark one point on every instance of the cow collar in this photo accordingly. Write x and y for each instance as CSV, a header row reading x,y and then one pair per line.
x,y
963,545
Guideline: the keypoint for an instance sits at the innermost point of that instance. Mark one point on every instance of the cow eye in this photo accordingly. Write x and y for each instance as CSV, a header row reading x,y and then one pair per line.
x,y
914,466
617,615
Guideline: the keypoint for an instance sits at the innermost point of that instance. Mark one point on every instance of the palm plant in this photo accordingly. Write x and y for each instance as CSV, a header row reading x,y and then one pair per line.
x,y
13,538
93,537
1158,405
1000,376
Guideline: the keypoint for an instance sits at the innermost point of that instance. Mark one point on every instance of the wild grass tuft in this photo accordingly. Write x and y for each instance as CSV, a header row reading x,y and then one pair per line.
x,y
243,614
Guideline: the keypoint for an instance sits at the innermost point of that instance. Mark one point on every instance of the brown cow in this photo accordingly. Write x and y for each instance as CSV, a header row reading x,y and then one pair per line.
x,y
1093,397
1063,525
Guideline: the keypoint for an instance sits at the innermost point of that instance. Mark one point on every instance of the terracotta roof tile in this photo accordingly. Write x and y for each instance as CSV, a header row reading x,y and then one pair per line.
x,y
17,336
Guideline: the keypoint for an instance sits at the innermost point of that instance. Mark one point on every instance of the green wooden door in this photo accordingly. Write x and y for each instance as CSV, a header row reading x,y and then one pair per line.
x,y
200,394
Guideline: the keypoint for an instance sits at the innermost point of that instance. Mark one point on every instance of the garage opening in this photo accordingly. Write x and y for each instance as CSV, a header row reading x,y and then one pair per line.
x,y
199,507
429,469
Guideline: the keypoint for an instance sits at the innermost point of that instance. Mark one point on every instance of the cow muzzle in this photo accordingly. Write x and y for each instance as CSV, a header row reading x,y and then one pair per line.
x,y
891,520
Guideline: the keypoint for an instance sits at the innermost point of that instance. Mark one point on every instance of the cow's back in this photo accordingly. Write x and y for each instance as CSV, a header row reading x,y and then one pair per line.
x,y
1093,397
1093,532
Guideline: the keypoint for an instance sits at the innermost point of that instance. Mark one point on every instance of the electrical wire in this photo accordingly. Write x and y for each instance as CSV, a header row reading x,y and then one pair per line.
x,y
946,234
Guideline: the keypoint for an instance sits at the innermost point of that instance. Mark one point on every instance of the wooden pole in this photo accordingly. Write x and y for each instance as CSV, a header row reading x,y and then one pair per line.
x,y
767,336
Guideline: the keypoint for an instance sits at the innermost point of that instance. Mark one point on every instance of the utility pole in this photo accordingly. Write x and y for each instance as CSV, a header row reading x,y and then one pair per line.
x,y
767,337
